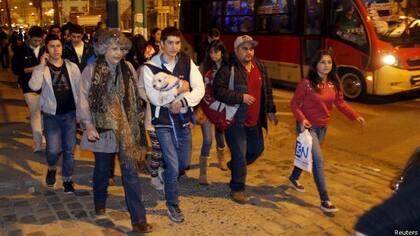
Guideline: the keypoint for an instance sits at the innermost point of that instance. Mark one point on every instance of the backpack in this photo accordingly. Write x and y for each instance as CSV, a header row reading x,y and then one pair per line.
x,y
219,113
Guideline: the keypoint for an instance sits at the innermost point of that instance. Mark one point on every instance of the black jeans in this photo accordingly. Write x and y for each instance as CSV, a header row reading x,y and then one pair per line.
x,y
246,144
4,57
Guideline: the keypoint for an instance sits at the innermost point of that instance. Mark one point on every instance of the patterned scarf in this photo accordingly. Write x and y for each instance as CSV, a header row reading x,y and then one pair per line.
x,y
115,104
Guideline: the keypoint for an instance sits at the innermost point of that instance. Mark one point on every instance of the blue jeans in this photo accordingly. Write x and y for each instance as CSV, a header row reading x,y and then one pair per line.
x,y
60,134
246,145
206,130
130,180
176,158
318,135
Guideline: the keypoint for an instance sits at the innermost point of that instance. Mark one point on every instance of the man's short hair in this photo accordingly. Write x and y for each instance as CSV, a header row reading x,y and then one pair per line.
x,y
170,31
76,29
36,31
213,32
51,37
53,27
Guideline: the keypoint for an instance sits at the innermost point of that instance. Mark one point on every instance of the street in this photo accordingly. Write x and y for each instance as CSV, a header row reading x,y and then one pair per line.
x,y
391,133
359,163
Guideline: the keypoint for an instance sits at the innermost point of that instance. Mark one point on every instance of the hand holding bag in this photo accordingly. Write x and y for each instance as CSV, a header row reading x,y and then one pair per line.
x,y
303,151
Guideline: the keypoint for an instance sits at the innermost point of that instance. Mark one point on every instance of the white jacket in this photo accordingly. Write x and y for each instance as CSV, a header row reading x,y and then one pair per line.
x,y
41,78
193,97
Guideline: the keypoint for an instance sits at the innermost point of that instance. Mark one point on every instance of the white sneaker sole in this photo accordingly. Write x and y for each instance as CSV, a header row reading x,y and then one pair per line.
x,y
328,210
173,219
295,188
158,186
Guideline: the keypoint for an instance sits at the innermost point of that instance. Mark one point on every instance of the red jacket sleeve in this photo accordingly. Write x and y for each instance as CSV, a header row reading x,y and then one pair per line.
x,y
344,107
297,100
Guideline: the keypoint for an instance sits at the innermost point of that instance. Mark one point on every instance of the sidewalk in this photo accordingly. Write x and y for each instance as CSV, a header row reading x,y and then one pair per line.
x,y
27,207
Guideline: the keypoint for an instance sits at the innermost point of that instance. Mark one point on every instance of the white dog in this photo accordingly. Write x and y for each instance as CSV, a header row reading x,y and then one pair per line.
x,y
164,83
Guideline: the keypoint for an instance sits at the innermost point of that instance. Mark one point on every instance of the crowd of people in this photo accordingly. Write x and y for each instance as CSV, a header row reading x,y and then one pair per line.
x,y
136,99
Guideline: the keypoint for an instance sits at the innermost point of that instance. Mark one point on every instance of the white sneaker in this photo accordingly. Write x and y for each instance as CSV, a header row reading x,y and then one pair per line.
x,y
160,174
37,148
155,182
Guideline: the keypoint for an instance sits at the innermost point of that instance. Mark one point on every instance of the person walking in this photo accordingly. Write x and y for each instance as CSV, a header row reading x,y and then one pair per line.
x,y
203,48
216,57
112,113
311,104
59,80
76,50
171,125
252,91
137,57
24,60
154,41
4,47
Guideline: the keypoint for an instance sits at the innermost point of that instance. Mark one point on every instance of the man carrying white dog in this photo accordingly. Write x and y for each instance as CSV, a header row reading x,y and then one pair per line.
x,y
172,126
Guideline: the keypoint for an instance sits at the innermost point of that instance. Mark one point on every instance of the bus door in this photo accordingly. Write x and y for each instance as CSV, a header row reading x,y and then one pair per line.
x,y
279,45
312,32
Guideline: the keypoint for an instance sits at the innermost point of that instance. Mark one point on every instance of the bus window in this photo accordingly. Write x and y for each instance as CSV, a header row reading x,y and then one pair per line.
x,y
215,9
348,24
393,22
313,17
274,16
239,16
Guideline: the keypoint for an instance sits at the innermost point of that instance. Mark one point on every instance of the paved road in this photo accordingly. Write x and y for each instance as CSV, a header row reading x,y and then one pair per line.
x,y
355,183
391,134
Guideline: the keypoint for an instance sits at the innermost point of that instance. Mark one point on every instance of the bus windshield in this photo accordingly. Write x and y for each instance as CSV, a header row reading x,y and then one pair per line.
x,y
393,21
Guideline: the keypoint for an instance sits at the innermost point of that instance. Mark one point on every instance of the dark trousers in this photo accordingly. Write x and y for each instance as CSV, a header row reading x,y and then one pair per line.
x,y
130,180
4,57
246,144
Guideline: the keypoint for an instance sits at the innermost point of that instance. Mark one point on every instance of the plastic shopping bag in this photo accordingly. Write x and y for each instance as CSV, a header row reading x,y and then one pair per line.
x,y
303,151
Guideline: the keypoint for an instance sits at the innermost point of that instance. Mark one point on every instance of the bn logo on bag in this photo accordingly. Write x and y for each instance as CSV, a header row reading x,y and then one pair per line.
x,y
303,151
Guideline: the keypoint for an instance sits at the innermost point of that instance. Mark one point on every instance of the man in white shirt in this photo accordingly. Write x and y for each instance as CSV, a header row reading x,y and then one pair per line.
x,y
76,50
172,126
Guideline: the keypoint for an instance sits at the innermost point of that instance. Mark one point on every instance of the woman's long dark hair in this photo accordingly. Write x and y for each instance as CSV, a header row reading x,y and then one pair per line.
x,y
136,53
313,74
216,45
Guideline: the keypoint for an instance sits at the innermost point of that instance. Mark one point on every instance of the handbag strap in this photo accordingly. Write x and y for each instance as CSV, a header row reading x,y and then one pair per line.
x,y
232,79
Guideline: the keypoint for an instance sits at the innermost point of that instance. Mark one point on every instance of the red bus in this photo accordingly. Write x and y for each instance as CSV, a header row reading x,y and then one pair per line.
x,y
376,43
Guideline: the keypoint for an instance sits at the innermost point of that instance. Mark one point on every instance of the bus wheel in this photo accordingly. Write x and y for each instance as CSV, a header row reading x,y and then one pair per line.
x,y
352,84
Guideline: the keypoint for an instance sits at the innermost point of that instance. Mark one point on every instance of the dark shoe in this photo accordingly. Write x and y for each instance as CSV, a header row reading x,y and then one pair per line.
x,y
175,214
327,206
68,187
296,185
238,197
142,228
182,173
100,210
50,179
229,166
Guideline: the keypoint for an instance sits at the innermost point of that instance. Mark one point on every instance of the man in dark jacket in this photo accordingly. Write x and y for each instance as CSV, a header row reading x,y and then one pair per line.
x,y
24,60
252,90
4,47
76,50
